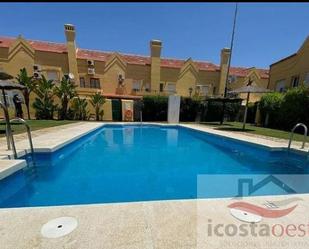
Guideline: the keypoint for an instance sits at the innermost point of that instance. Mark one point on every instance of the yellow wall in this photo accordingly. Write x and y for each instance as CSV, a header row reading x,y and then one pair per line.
x,y
21,54
291,66
257,80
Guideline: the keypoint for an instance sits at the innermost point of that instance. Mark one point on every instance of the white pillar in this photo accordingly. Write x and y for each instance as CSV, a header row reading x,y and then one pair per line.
x,y
173,109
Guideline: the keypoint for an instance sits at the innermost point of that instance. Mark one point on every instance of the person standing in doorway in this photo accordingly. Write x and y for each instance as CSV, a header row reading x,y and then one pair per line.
x,y
18,107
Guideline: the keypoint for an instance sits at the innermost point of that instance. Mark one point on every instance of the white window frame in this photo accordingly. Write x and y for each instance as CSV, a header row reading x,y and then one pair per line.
x,y
170,87
147,87
232,79
202,89
294,79
137,85
55,74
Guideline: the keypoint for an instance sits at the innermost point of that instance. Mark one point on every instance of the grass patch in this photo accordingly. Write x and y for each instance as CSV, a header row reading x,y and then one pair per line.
x,y
251,129
34,125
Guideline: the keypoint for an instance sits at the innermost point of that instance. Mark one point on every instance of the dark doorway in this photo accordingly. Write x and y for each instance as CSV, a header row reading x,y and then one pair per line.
x,y
116,110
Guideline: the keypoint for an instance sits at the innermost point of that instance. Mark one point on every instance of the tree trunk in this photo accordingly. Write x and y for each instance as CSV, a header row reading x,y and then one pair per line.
x,y
266,120
64,108
97,110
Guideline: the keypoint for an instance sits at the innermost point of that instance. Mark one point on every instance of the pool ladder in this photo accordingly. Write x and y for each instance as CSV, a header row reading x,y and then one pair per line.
x,y
305,135
22,121
9,133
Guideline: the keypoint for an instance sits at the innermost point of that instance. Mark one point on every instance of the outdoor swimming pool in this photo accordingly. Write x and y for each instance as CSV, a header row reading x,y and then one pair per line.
x,y
127,163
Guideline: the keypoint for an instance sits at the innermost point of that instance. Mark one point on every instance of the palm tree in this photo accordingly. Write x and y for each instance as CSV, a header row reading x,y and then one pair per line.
x,y
79,108
97,100
30,85
65,91
44,102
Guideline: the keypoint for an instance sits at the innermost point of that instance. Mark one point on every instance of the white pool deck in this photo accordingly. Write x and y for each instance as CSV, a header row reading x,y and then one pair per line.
x,y
154,224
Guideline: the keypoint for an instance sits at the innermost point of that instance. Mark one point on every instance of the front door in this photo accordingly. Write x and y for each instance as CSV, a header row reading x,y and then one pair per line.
x,y
116,110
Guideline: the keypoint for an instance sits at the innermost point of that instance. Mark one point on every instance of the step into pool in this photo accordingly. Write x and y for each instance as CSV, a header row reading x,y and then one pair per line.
x,y
125,163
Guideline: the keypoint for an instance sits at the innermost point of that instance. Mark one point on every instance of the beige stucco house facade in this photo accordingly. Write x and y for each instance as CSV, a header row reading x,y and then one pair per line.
x,y
143,75
291,71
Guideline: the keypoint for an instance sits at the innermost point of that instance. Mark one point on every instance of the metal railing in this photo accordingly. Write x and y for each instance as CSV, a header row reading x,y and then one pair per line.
x,y
292,134
22,121
8,130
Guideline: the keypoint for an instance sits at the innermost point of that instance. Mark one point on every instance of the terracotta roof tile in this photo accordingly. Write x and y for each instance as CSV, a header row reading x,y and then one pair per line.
x,y
242,72
6,41
92,55
129,58
37,45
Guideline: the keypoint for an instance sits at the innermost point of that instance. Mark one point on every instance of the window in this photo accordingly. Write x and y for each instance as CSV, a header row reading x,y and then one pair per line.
x,y
137,85
94,83
202,90
161,87
280,85
171,88
232,78
52,75
82,82
147,87
295,81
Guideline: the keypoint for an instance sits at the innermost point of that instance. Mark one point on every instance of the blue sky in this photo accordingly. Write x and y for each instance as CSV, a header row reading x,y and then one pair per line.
x,y
265,32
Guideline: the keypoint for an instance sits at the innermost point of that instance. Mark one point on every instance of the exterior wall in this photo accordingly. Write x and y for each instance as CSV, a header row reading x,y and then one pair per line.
x,y
153,73
3,54
107,108
186,81
296,65
241,81
20,54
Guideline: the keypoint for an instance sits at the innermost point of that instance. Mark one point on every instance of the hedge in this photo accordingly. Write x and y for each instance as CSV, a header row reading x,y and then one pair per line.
x,y
191,109
155,108
284,110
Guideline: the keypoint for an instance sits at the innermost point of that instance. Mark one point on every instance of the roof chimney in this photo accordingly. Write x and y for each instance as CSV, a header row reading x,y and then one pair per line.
x,y
155,48
69,30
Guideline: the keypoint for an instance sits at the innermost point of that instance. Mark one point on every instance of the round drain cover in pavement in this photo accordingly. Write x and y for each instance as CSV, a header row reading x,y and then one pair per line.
x,y
245,216
58,227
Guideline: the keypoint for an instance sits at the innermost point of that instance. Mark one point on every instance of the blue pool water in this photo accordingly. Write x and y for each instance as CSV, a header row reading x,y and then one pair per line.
x,y
131,163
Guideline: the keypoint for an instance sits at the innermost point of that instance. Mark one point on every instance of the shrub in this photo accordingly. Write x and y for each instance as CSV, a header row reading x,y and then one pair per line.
x,y
155,108
285,109
79,109
270,105
232,110
213,110
189,109
295,107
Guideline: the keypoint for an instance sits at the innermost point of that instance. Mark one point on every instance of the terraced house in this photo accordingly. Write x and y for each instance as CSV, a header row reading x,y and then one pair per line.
x,y
292,71
123,76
